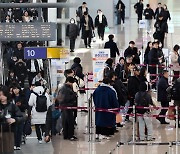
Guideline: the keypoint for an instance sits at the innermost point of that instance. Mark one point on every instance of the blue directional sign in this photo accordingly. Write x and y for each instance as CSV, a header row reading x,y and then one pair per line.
x,y
35,53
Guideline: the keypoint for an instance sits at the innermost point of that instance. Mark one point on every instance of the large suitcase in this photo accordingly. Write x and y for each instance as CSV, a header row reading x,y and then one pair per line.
x,y
6,141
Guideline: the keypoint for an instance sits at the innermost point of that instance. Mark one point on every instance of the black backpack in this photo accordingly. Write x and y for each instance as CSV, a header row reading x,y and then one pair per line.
x,y
175,91
41,102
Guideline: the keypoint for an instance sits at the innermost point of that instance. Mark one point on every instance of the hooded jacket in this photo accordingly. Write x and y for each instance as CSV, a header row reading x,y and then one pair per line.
x,y
38,117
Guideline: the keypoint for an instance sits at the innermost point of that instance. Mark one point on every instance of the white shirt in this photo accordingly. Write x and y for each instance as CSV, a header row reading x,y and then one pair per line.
x,y
33,68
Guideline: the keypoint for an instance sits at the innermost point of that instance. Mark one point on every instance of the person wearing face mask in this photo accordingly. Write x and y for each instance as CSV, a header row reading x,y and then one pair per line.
x,y
100,23
87,29
72,31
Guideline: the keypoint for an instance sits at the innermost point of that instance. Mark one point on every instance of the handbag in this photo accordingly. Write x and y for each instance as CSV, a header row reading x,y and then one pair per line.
x,y
107,29
27,127
171,113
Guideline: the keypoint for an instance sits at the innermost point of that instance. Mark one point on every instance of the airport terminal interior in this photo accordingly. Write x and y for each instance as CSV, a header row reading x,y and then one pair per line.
x,y
165,138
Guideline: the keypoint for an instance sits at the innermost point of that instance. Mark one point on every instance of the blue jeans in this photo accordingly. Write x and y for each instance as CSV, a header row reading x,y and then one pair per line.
x,y
18,134
145,120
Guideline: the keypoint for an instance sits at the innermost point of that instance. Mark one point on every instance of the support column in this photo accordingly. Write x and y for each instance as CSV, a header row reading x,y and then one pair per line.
x,y
63,28
52,17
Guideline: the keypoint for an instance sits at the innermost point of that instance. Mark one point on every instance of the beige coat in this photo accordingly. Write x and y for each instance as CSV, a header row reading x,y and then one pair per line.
x,y
174,61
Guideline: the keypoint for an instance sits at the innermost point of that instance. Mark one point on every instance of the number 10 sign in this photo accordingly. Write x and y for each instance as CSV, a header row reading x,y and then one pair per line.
x,y
35,53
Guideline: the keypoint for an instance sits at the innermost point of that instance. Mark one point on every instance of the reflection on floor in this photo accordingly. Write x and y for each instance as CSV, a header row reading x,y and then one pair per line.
x,y
162,133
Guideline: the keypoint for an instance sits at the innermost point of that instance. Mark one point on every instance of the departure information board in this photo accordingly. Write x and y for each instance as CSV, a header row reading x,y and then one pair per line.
x,y
36,31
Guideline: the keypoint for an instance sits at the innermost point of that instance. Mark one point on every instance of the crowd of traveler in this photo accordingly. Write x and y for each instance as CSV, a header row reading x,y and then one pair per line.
x,y
124,84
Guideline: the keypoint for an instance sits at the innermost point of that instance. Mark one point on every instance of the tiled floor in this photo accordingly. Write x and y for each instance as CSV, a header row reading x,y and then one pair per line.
x,y
161,133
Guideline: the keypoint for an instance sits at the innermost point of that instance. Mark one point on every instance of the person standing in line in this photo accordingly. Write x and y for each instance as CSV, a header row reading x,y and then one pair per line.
x,y
105,97
133,87
174,62
72,31
120,70
148,48
132,51
139,9
153,60
143,98
158,11
149,15
80,13
87,29
79,78
38,118
101,23
161,29
162,95
67,98
120,12
112,46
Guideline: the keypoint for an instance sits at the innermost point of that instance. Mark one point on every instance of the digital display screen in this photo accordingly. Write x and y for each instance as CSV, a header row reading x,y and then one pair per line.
x,y
27,31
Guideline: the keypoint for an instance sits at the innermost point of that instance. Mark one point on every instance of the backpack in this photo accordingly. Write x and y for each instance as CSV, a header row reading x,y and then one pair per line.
x,y
41,102
27,127
175,91
142,102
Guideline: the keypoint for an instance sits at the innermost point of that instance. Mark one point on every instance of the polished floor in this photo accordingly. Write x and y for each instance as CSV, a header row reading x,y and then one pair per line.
x,y
162,133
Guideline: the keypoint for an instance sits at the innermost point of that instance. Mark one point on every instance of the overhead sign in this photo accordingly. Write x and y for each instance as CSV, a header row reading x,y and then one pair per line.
x,y
36,31
35,53
46,53
99,58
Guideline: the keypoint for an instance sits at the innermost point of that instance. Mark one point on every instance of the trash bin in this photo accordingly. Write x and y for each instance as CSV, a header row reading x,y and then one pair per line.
x,y
6,140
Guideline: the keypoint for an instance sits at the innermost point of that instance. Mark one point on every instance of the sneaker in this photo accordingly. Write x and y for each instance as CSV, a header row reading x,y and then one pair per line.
x,y
14,147
40,141
151,139
18,148
74,138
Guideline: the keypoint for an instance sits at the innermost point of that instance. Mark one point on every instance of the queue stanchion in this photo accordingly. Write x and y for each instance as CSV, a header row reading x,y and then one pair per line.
x,y
134,120
91,113
88,125
147,68
170,147
87,86
177,123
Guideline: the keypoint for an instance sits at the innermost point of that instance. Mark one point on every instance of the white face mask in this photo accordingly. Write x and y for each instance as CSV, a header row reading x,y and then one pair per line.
x,y
72,21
